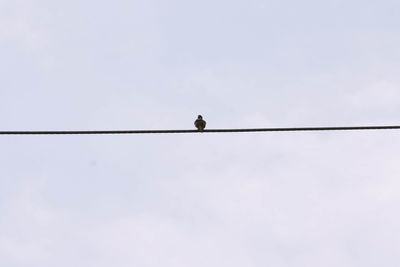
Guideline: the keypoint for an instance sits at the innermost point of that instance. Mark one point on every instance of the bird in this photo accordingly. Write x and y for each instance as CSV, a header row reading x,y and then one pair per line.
x,y
200,123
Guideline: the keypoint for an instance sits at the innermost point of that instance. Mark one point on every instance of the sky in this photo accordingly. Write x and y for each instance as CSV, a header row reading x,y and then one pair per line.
x,y
232,199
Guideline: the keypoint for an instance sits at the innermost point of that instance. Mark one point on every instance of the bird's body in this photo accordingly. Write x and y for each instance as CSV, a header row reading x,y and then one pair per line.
x,y
200,123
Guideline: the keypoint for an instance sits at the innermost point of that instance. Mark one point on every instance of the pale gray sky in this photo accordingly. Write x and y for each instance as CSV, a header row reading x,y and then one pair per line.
x,y
250,199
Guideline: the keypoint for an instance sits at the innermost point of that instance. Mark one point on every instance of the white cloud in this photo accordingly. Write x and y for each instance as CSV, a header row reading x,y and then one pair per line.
x,y
18,26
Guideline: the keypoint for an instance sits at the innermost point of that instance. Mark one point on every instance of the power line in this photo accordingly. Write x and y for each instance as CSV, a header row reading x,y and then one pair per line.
x,y
294,129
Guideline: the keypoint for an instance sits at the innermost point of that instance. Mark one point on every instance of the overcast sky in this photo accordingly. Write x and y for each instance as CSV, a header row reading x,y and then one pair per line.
x,y
246,199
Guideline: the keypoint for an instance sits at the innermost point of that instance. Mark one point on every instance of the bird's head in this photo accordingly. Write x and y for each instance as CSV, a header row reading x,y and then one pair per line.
x,y
200,117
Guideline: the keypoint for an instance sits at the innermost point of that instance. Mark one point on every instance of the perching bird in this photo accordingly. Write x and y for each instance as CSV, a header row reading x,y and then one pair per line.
x,y
200,123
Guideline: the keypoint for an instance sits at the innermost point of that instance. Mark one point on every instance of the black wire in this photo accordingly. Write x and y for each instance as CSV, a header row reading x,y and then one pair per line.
x,y
296,129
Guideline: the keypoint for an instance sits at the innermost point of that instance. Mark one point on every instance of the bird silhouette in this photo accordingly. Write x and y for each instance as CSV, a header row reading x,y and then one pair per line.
x,y
200,123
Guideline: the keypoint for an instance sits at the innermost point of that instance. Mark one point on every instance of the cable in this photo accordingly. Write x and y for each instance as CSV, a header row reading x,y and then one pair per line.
x,y
299,129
